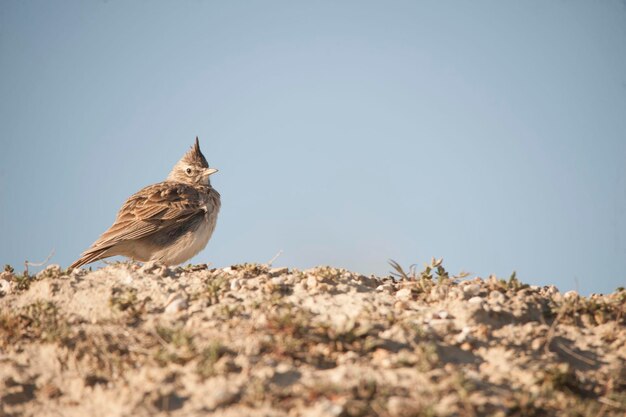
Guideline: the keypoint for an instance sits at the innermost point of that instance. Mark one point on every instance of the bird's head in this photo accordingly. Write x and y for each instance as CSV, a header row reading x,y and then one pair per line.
x,y
193,168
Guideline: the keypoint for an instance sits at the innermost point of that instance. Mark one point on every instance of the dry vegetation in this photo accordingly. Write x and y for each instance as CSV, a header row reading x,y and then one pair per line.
x,y
255,341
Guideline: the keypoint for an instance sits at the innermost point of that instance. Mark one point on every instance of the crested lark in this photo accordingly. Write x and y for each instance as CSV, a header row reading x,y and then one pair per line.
x,y
168,222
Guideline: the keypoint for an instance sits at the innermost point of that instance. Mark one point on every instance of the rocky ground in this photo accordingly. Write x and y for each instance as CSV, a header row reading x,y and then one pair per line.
x,y
250,340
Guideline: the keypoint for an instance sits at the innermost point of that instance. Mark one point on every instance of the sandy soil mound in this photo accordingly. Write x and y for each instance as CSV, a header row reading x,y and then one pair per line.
x,y
250,340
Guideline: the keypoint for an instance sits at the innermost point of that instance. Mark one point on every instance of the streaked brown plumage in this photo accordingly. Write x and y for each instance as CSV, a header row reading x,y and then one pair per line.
x,y
169,222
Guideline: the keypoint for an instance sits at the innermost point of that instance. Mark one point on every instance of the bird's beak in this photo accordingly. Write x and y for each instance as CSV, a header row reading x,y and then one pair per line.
x,y
207,173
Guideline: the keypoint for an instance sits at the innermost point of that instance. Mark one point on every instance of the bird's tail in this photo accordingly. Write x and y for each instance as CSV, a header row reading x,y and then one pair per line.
x,y
90,256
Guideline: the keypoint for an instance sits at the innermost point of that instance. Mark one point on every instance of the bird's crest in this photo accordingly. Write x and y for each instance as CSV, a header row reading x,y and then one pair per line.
x,y
194,155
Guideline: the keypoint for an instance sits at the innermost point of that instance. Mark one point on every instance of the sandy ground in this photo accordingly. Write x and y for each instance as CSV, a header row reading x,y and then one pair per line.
x,y
250,340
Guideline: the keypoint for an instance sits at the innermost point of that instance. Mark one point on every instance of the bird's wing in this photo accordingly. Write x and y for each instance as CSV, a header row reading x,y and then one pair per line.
x,y
152,209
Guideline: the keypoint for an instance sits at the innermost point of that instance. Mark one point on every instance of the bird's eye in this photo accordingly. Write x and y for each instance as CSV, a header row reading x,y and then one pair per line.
x,y
188,171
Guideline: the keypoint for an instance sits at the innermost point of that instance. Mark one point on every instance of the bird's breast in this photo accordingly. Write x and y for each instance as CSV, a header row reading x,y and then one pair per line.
x,y
196,237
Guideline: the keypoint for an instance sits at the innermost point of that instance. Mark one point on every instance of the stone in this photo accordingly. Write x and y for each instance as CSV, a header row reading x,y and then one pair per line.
x,y
370,282
471,290
235,284
278,271
175,303
440,326
385,287
323,408
496,296
475,301
404,294
5,286
220,396
403,407
463,335
311,282
278,281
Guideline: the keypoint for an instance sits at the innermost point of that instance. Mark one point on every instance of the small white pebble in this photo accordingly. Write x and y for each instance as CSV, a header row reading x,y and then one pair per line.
x,y
278,280
471,290
463,335
404,294
440,326
176,303
497,296
126,277
537,343
311,282
475,300
385,287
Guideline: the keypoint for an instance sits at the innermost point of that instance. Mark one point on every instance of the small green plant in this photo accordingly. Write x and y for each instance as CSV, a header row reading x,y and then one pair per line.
x,y
513,284
23,282
195,268
126,301
208,358
251,270
288,319
289,333
230,311
353,337
214,288
123,299
105,353
423,281
427,356
177,345
278,290
328,274
52,271
561,377
10,328
401,274
42,321
432,270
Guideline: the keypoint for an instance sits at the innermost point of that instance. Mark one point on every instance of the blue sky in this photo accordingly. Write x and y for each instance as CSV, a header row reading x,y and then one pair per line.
x,y
489,133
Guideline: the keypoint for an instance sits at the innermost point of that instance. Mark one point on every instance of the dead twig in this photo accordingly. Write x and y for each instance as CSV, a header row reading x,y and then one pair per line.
x,y
271,261
578,356
611,403
552,329
27,263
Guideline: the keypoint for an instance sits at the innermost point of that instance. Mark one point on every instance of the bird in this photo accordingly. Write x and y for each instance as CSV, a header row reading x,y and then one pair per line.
x,y
168,222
